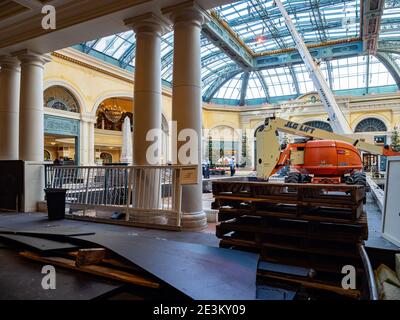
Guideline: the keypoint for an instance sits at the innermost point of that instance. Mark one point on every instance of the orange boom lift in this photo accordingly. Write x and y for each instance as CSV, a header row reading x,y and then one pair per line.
x,y
325,157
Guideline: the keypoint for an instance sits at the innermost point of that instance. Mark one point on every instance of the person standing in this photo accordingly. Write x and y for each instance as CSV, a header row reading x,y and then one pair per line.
x,y
232,166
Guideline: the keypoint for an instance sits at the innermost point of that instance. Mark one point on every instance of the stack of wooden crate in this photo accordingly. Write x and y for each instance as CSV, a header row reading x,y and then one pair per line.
x,y
315,227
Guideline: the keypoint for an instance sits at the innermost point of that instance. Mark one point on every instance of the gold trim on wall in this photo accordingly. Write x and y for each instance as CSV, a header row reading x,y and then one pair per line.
x,y
97,69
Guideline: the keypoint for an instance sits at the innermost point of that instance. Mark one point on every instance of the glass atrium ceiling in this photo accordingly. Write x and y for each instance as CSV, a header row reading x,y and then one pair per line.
x,y
261,28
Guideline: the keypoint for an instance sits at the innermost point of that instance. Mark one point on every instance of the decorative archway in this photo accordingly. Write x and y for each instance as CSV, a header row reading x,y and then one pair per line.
x,y
60,98
223,143
109,95
65,124
370,125
319,125
106,157
373,124
47,155
75,92
111,113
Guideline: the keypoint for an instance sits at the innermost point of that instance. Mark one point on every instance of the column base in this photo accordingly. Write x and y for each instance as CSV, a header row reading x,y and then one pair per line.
x,y
194,221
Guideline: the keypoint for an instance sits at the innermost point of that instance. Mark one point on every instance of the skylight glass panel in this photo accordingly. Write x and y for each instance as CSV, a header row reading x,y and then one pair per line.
x,y
103,43
303,79
122,49
379,75
254,87
279,81
349,73
114,46
231,89
262,27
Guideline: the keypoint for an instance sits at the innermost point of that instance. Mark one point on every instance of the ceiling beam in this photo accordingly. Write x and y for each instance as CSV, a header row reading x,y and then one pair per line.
x,y
391,46
371,14
243,90
218,73
289,57
218,32
31,4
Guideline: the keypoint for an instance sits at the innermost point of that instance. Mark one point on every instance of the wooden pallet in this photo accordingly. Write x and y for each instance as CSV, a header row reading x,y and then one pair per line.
x,y
319,227
300,198
292,245
259,227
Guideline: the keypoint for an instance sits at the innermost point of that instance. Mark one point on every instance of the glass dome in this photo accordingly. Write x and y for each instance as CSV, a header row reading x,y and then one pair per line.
x,y
259,27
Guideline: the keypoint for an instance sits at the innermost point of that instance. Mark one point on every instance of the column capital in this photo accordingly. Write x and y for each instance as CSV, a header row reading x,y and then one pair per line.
x,y
10,63
27,56
88,119
148,23
188,12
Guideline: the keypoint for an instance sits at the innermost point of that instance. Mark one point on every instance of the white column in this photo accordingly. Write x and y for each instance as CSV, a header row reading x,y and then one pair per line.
x,y
91,151
147,88
31,129
147,114
9,107
84,143
186,99
239,150
87,141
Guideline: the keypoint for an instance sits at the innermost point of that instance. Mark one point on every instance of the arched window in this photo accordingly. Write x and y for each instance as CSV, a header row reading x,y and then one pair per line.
x,y
60,98
319,125
106,157
47,156
370,125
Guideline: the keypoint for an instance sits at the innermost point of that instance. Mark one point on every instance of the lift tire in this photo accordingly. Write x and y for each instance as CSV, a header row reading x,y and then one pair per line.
x,y
359,178
305,178
293,177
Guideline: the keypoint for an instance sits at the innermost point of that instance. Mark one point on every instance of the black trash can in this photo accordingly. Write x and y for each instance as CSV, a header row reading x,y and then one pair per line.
x,y
55,203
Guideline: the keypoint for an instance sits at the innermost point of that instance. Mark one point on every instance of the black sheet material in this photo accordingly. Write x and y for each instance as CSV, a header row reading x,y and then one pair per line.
x,y
38,243
265,292
199,271
20,279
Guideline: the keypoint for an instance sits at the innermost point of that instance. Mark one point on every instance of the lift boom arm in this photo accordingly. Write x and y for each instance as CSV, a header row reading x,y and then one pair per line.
x,y
270,158
336,117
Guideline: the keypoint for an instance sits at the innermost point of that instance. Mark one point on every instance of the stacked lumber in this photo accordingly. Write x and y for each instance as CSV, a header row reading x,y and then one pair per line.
x,y
96,261
317,227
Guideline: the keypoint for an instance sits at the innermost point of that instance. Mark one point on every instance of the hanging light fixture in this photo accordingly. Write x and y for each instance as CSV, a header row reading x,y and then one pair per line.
x,y
113,111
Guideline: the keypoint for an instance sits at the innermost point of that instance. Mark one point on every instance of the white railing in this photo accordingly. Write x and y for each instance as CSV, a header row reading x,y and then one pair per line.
x,y
377,193
145,194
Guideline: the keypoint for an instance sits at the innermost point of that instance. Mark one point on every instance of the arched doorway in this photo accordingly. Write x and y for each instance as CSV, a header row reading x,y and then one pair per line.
x,y
371,162
61,129
110,116
223,144
47,156
106,157
112,112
